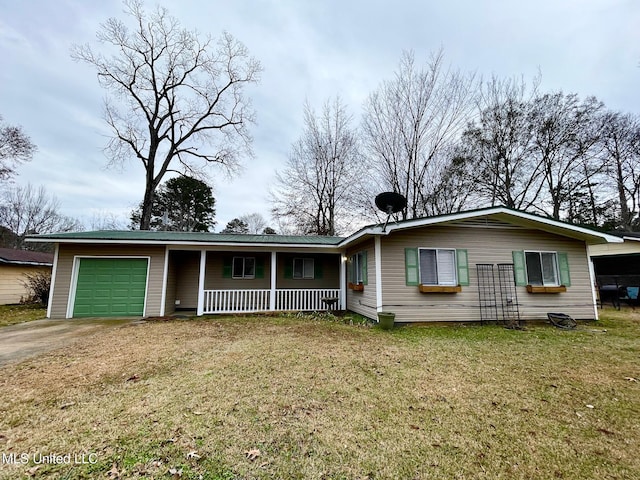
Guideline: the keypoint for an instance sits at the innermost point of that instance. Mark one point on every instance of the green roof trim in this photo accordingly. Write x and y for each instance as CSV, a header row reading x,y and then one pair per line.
x,y
142,236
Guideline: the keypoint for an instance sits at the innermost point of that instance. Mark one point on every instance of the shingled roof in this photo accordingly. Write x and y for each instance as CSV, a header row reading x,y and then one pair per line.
x,y
9,256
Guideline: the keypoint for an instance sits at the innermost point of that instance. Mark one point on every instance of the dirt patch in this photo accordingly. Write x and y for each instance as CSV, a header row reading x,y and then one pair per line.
x,y
19,342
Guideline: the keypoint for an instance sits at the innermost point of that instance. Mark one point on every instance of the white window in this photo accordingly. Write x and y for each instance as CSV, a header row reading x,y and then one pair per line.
x,y
303,268
244,267
542,268
359,267
438,266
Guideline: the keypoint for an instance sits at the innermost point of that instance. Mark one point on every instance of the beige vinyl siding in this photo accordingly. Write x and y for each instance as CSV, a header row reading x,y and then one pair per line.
x,y
12,282
364,302
170,296
185,266
67,253
483,245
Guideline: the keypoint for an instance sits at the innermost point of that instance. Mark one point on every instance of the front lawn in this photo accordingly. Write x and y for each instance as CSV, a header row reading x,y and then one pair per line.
x,y
19,313
275,397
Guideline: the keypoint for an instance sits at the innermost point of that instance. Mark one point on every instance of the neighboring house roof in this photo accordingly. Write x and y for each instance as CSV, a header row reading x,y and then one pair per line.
x,y
9,256
486,217
633,236
630,246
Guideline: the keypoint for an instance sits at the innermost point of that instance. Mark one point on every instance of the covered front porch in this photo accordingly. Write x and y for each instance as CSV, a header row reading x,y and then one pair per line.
x,y
249,281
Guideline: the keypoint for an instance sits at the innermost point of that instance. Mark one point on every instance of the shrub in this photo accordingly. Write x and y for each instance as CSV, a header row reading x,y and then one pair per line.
x,y
38,285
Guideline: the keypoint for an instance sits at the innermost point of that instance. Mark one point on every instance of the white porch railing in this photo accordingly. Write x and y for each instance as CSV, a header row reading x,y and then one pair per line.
x,y
234,301
241,301
307,299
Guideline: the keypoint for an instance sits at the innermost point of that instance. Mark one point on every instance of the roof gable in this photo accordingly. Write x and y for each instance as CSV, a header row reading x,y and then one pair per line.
x,y
494,217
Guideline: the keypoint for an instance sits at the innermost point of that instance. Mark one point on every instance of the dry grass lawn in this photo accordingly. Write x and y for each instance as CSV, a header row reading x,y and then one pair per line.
x,y
263,397
12,314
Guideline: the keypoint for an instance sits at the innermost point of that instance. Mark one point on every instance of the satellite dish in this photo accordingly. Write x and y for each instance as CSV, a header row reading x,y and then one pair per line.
x,y
390,203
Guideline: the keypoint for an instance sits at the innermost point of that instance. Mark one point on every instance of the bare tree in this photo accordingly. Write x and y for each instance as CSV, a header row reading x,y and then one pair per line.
x,y
28,210
621,140
314,190
408,122
499,143
105,220
15,148
453,186
566,143
178,101
255,222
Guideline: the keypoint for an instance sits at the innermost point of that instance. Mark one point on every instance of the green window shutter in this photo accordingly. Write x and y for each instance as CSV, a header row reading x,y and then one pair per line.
x,y
288,268
364,268
317,267
227,266
563,266
411,266
463,267
519,268
259,267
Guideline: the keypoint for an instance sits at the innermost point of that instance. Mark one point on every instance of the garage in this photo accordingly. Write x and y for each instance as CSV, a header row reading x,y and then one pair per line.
x,y
109,287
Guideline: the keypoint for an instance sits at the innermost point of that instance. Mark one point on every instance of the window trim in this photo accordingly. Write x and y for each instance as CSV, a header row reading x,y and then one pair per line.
x,y
556,265
454,266
358,269
243,276
304,261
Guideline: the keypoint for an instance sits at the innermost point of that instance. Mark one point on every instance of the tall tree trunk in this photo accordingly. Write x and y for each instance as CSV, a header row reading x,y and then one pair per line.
x,y
625,215
147,203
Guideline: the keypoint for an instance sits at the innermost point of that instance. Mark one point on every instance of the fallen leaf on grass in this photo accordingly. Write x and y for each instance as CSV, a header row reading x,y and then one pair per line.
x,y
32,471
67,405
631,379
606,432
590,406
193,454
114,473
175,473
133,378
252,454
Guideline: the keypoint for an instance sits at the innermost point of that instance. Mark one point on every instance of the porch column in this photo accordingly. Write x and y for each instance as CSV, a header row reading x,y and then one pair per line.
x,y
593,281
165,274
203,266
54,273
272,293
377,249
343,281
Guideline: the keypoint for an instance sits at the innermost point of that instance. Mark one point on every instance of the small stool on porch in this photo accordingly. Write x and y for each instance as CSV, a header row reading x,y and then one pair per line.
x,y
330,302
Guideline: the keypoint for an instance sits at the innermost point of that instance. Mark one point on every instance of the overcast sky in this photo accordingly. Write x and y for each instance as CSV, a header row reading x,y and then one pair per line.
x,y
310,50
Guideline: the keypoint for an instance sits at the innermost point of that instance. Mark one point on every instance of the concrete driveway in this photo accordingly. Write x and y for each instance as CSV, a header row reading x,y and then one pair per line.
x,y
18,342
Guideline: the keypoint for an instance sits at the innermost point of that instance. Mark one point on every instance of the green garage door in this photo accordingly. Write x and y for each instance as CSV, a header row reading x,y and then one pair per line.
x,y
109,287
